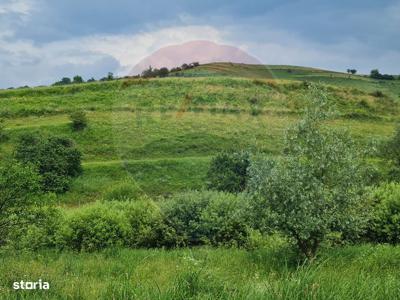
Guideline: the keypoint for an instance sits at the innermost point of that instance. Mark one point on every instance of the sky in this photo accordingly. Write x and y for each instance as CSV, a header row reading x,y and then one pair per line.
x,y
44,40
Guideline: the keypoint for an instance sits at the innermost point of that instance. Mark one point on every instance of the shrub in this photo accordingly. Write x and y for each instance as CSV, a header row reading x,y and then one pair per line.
x,y
78,120
223,222
19,195
228,171
94,227
40,233
313,190
385,221
127,190
56,159
145,221
207,217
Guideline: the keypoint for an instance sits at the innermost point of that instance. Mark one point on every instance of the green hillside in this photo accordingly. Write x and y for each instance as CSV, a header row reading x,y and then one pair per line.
x,y
295,73
162,132
160,135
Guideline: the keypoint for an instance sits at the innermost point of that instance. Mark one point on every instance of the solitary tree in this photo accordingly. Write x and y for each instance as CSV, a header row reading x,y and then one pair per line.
x,y
77,79
314,188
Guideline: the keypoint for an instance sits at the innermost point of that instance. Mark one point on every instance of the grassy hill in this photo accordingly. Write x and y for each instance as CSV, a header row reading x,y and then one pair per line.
x,y
162,132
295,73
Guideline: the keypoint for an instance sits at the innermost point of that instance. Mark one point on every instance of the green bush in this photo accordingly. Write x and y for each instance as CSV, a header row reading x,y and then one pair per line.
x,y
41,233
94,227
78,120
228,171
385,221
126,190
145,222
20,194
223,221
207,217
56,158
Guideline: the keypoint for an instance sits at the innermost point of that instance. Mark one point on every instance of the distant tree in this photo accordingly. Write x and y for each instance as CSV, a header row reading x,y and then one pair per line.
x,y
163,72
184,66
110,76
77,79
196,64
353,71
64,81
376,75
56,158
91,80
148,72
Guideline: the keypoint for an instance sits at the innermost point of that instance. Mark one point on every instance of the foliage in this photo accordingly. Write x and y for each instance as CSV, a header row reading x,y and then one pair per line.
x,y
228,171
77,79
145,221
19,194
384,226
63,81
123,191
94,227
78,120
377,75
3,135
56,158
196,218
40,233
314,189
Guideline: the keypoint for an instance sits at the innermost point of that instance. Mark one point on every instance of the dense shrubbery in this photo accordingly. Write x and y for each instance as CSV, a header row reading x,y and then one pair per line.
x,y
78,120
56,159
384,226
228,172
198,218
21,198
94,227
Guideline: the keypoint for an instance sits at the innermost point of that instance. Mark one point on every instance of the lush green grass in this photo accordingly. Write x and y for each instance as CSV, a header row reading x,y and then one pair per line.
x,y
352,272
391,87
159,125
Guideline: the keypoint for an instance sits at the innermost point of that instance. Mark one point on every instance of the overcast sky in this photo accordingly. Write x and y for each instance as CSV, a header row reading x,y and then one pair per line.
x,y
44,40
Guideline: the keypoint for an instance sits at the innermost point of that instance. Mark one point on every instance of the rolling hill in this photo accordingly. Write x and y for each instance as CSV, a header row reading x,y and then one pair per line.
x,y
162,132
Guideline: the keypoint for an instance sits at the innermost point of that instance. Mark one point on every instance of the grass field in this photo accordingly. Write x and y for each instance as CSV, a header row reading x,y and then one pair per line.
x,y
162,133
353,272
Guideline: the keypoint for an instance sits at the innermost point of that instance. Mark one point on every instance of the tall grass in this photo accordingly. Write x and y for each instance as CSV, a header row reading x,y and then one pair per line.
x,y
352,272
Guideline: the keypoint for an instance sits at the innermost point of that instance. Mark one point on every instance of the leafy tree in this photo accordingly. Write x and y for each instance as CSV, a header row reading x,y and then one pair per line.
x,y
91,80
228,171
78,120
163,72
63,81
56,159
77,79
353,71
19,192
148,72
313,190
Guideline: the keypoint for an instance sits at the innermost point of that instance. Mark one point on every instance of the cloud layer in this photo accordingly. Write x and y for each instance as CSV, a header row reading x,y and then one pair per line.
x,y
42,40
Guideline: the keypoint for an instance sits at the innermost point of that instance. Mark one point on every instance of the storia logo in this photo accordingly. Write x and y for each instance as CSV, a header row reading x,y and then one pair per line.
x,y
29,285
